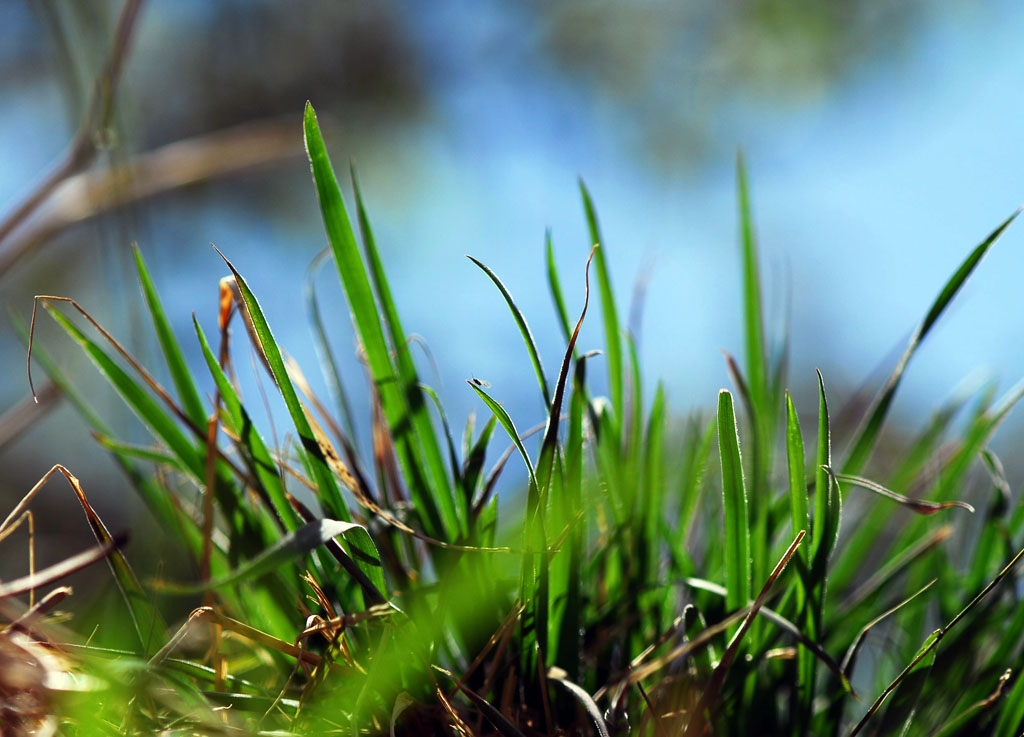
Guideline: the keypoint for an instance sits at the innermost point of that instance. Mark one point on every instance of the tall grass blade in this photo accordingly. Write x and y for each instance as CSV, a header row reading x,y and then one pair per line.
x,y
254,451
431,494
330,495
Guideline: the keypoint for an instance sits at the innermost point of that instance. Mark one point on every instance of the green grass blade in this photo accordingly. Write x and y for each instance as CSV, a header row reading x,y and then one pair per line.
x,y
524,329
144,406
868,434
410,387
797,476
734,498
510,428
330,495
292,546
254,451
612,337
824,495
191,402
140,452
555,285
753,319
433,500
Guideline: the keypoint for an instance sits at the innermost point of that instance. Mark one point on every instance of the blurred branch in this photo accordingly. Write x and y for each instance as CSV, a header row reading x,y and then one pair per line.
x,y
176,165
15,421
83,147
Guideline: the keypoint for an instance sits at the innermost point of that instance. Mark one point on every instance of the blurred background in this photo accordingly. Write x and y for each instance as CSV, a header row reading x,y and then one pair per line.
x,y
883,142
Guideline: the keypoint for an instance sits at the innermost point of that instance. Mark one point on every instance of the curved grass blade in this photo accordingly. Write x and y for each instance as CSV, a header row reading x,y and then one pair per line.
x,y
149,624
920,506
868,433
851,652
550,442
585,700
734,499
524,329
612,337
191,402
510,428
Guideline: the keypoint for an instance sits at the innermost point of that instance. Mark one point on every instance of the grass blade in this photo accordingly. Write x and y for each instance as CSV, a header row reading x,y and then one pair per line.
x,y
329,367
191,402
254,451
612,337
920,506
330,495
411,389
734,498
524,329
868,433
555,285
401,399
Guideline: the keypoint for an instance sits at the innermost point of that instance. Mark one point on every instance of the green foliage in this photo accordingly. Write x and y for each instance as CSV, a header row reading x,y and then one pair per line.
x,y
635,581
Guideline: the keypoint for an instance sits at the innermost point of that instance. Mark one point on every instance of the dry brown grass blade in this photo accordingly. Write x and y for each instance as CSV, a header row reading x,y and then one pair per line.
x,y
65,568
212,616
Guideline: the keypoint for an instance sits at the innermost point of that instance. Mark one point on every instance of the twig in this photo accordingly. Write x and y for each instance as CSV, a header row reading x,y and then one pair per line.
x,y
97,115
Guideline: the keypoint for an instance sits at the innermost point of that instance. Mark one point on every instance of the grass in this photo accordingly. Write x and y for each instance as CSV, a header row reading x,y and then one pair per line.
x,y
643,586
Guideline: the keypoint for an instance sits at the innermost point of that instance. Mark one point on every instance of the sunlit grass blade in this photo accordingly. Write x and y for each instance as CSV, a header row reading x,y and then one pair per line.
x,y
868,433
191,402
555,285
329,367
429,488
612,336
734,499
524,329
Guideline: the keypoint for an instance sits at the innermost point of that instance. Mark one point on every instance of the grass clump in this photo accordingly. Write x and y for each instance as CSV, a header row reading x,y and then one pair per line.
x,y
652,581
